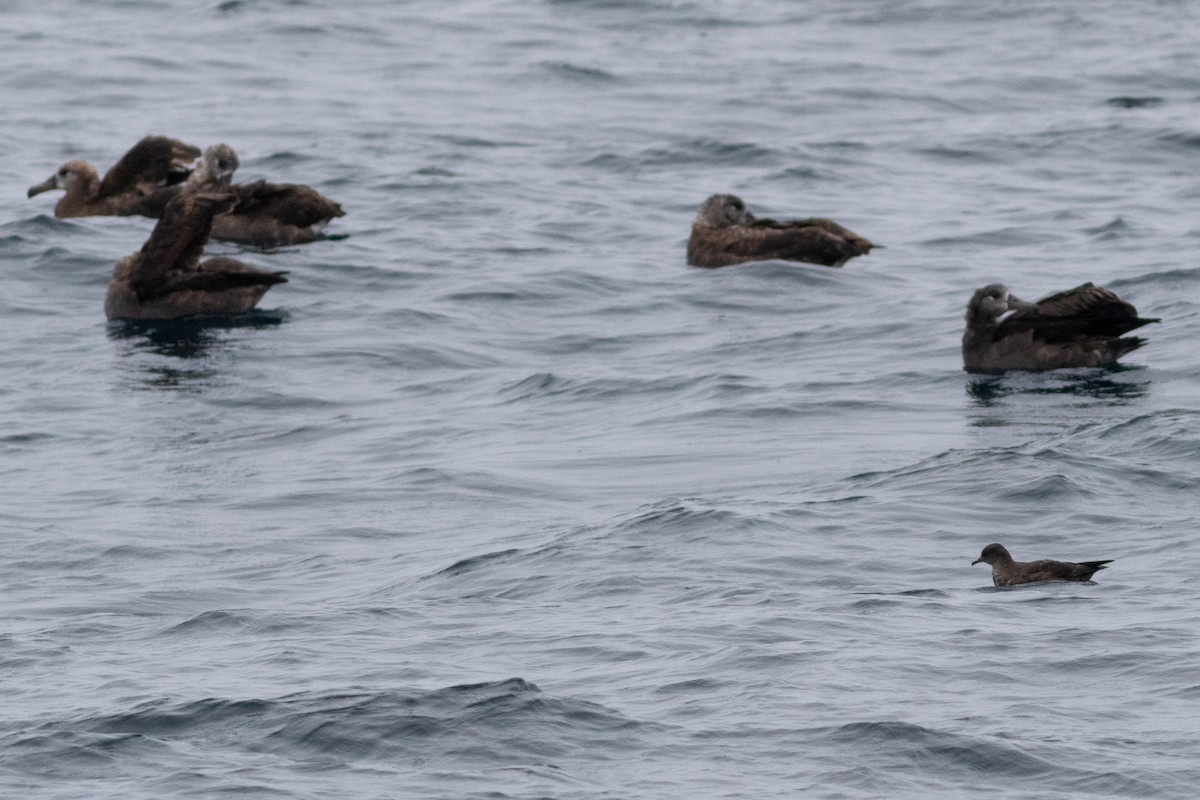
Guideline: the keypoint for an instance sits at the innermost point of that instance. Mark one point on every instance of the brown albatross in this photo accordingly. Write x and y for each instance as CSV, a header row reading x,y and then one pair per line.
x,y
266,214
725,233
129,188
166,279
1081,327
1006,572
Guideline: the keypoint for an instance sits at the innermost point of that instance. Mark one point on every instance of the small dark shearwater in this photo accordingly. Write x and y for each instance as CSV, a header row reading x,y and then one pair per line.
x,y
725,233
128,188
166,279
1080,327
1006,572
266,214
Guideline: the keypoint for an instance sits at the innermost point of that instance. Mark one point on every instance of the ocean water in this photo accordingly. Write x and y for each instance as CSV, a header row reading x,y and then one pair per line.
x,y
497,498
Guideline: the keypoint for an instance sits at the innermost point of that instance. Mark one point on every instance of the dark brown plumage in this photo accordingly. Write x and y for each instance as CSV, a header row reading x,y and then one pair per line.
x,y
1006,572
725,233
166,279
266,214
1081,327
132,186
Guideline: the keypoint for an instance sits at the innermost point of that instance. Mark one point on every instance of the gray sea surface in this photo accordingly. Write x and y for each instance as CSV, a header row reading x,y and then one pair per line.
x,y
497,498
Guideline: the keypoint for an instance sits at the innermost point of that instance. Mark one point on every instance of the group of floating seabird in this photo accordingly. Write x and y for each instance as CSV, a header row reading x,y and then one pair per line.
x,y
1081,327
166,279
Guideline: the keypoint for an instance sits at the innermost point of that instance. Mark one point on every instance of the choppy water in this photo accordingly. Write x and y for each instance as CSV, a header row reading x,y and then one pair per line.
x,y
498,498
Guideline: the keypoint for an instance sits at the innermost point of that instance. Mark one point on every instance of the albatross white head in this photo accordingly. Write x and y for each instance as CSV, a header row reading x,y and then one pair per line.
x,y
216,167
722,210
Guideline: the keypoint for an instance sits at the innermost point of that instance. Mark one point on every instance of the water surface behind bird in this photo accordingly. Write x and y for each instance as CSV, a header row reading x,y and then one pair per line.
x,y
497,497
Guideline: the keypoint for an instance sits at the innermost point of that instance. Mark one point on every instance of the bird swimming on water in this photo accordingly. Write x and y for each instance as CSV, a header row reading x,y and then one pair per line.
x,y
266,214
725,233
132,186
1006,572
1081,327
166,279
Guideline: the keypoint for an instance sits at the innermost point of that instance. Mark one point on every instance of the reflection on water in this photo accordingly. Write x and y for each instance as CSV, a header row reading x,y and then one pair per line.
x,y
187,342
1099,383
189,337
